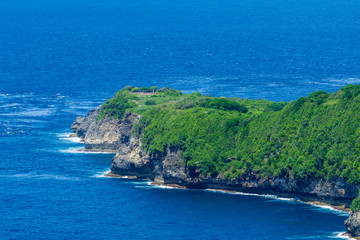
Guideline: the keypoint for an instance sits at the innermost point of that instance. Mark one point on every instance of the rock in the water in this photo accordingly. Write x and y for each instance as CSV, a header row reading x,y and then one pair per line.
x,y
82,124
352,224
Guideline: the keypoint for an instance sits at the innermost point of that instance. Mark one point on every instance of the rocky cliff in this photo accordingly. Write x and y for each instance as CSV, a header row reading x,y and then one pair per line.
x,y
169,168
352,224
106,134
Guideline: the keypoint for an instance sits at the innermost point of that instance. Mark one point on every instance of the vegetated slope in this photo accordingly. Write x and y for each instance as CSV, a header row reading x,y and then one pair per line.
x,y
314,137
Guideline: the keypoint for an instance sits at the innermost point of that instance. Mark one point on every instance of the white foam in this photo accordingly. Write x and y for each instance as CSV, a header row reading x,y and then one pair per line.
x,y
11,105
73,139
324,208
336,81
274,197
141,183
34,175
81,150
66,137
8,95
102,174
125,177
322,235
341,235
328,208
144,187
152,185
35,112
351,80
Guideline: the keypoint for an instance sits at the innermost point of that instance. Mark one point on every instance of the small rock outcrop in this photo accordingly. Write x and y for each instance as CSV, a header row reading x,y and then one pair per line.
x,y
82,124
352,224
105,134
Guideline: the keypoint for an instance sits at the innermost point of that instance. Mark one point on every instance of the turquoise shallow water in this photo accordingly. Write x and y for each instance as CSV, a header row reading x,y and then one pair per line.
x,y
60,59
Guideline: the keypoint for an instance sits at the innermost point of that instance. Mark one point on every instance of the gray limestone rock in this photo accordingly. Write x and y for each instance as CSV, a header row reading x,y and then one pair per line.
x,y
82,124
352,224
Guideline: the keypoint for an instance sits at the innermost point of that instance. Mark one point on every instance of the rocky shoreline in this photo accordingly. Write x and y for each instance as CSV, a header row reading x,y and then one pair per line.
x,y
169,169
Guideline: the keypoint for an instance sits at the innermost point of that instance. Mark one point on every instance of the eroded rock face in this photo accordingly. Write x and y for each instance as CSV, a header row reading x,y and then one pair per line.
x,y
169,167
352,224
82,124
106,133
109,133
130,160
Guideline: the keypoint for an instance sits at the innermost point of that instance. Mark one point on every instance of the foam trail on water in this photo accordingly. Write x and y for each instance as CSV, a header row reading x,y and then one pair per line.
x,y
328,208
101,174
81,150
341,235
254,194
325,208
34,175
322,235
66,137
151,185
35,112
141,183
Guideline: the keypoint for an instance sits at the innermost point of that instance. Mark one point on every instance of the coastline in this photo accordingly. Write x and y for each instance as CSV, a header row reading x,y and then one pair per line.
x,y
298,198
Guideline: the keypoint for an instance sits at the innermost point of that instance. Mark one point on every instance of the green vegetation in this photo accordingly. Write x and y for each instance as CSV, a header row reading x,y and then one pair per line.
x,y
314,137
355,205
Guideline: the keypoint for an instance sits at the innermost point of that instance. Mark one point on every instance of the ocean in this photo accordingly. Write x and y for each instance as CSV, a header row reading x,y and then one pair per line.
x,y
60,59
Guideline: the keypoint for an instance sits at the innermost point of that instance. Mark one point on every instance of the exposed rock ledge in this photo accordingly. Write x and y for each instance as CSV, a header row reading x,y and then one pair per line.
x,y
170,168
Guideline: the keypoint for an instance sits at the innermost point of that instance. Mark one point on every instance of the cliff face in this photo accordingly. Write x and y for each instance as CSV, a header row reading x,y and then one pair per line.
x,y
169,168
82,124
107,134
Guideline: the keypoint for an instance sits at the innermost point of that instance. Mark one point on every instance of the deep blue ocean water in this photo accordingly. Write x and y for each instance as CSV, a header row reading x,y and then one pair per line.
x,y
59,59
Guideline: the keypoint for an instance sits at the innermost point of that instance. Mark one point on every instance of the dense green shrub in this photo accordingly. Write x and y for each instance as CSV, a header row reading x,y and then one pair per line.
x,y
150,102
276,106
355,205
223,104
116,107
